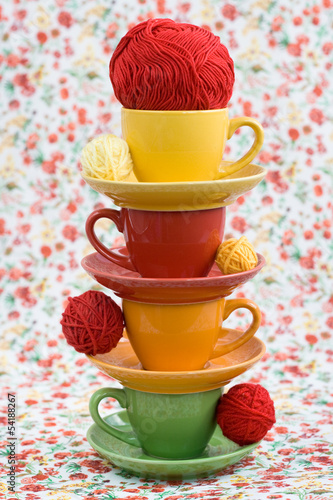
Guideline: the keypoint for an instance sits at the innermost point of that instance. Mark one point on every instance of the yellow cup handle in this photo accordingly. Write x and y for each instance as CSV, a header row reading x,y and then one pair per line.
x,y
234,124
223,347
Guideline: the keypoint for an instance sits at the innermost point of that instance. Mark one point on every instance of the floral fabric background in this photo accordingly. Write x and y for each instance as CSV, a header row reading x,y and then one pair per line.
x,y
56,95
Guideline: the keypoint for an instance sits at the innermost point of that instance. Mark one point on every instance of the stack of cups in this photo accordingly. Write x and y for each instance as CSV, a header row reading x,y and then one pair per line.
x,y
181,332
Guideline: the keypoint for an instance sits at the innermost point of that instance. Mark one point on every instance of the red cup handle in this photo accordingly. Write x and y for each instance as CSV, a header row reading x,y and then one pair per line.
x,y
115,216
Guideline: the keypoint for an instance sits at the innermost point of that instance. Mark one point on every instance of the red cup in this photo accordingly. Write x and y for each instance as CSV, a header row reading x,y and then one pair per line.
x,y
163,244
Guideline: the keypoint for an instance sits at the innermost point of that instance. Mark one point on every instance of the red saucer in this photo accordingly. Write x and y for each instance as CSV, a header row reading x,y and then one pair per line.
x,y
130,285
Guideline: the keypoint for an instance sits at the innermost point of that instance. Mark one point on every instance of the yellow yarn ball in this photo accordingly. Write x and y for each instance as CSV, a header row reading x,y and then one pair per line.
x,y
107,157
236,256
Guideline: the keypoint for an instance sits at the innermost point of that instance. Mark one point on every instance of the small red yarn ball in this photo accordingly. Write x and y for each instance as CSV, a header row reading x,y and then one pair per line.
x,y
92,323
245,413
163,65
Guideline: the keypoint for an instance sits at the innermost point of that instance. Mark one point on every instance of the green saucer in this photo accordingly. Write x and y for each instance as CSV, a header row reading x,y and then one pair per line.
x,y
220,453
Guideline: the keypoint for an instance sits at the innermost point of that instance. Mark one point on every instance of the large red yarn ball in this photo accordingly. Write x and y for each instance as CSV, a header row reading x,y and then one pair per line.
x,y
92,323
163,65
245,413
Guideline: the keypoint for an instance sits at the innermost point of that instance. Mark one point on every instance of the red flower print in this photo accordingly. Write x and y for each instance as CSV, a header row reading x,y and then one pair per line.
x,y
65,19
14,104
318,190
293,134
62,455
297,21
33,487
40,477
27,442
32,141
317,116
307,262
329,322
294,49
61,395
82,454
20,14
312,339
21,80
265,157
41,37
70,233
111,30
13,314
2,226
46,251
288,237
185,7
281,430
327,48
82,116
303,39
64,93
277,23
69,433
267,200
15,274
229,11
53,138
78,475
271,111
12,60
239,224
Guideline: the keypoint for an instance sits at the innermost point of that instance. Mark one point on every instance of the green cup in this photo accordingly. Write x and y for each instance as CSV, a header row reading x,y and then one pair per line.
x,y
174,426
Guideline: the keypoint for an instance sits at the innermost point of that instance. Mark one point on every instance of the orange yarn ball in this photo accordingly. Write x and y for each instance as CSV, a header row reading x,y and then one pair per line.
x,y
245,413
92,323
236,256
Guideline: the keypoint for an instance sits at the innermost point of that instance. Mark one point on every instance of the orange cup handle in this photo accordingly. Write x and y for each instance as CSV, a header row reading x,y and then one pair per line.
x,y
112,255
223,347
234,124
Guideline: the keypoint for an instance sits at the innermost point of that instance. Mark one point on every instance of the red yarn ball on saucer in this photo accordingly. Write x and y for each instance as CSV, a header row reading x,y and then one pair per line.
x,y
163,65
245,413
92,323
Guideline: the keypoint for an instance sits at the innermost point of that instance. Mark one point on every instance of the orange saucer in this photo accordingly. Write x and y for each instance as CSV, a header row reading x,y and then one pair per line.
x,y
122,364
130,285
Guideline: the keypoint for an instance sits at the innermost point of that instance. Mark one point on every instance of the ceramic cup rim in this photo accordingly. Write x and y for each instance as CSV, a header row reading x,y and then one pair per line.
x,y
172,393
175,111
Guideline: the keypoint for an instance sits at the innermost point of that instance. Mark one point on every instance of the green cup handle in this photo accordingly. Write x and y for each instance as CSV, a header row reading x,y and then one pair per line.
x,y
120,395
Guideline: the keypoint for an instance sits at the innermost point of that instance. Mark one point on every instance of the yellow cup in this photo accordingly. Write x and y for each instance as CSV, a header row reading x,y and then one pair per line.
x,y
177,146
184,337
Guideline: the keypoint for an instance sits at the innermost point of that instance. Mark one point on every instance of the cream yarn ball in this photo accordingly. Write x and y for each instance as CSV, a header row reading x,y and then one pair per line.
x,y
236,256
107,157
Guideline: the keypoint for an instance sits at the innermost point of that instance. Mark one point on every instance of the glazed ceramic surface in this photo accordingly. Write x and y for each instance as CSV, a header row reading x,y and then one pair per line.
x,y
163,244
178,146
130,285
182,337
180,196
220,453
122,364
173,426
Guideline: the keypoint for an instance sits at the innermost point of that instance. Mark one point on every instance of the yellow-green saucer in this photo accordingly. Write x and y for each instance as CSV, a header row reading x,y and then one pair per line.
x,y
219,454
180,196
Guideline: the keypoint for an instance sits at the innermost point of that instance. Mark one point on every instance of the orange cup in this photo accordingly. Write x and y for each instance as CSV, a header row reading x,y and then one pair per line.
x,y
183,337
